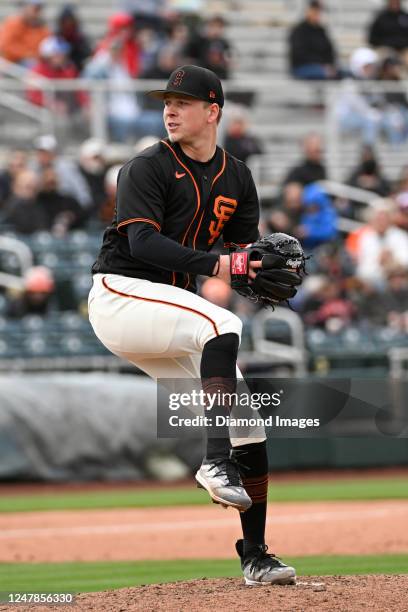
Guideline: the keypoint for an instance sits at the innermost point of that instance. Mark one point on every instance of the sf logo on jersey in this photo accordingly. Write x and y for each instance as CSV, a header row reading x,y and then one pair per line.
x,y
223,209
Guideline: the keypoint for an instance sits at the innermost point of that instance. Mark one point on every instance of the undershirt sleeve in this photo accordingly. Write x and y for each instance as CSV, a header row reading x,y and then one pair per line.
x,y
148,245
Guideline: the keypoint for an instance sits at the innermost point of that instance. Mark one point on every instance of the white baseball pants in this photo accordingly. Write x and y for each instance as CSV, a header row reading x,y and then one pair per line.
x,y
159,328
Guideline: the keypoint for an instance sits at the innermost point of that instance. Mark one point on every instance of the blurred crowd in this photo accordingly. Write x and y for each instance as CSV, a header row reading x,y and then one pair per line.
x,y
357,276
148,40
313,56
42,190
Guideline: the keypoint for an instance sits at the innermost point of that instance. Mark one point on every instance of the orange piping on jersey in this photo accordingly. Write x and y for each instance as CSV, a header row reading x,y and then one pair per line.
x,y
198,202
136,297
174,278
195,186
140,220
224,161
224,157
198,197
198,227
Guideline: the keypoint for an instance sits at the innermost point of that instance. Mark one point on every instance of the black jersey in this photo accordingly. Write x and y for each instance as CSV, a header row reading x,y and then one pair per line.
x,y
171,210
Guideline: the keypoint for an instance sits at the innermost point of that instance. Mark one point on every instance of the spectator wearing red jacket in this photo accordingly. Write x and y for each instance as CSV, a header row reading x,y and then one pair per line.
x,y
54,64
121,33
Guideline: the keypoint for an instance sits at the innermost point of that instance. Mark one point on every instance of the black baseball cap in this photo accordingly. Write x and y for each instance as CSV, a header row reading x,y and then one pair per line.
x,y
193,81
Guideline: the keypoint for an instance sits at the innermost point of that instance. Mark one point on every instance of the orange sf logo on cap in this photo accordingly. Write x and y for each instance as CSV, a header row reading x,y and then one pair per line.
x,y
178,78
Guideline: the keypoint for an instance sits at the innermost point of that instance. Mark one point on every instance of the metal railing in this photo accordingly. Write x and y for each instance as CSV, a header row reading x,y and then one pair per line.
x,y
277,352
278,94
17,103
24,257
19,249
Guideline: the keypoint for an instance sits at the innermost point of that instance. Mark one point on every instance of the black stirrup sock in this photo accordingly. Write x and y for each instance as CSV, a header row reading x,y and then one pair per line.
x,y
218,379
253,467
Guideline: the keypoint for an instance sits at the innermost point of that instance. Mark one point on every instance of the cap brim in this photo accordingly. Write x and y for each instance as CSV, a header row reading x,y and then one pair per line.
x,y
160,93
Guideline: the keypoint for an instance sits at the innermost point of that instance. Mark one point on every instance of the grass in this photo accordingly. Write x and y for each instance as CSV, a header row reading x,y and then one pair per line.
x,y
336,490
99,576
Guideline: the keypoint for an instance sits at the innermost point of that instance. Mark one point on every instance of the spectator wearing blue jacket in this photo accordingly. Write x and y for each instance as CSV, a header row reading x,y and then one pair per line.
x,y
318,221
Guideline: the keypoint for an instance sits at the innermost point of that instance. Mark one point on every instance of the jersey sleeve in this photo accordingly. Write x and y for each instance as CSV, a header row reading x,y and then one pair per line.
x,y
242,228
153,248
141,194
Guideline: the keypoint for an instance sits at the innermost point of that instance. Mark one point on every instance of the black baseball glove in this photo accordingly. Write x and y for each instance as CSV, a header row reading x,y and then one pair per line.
x,y
283,262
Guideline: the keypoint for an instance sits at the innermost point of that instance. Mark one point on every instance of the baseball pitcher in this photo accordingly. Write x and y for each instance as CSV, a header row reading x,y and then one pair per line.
x,y
175,199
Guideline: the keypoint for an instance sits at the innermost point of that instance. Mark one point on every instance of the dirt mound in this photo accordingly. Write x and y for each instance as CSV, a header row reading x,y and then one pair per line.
x,y
328,593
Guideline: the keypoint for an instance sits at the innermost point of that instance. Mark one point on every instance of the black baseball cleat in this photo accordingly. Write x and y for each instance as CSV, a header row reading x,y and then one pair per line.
x,y
221,479
262,568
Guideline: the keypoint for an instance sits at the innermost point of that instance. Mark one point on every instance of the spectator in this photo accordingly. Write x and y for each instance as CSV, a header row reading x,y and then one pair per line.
x,y
210,48
190,10
367,174
238,141
148,14
22,34
372,113
402,183
63,211
388,307
127,120
329,307
69,29
121,39
390,27
149,44
286,213
332,260
356,110
312,55
55,64
368,301
70,180
17,161
292,201
318,221
37,295
170,55
395,298
278,221
23,210
166,61
217,291
311,169
380,247
400,217
394,103
92,166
